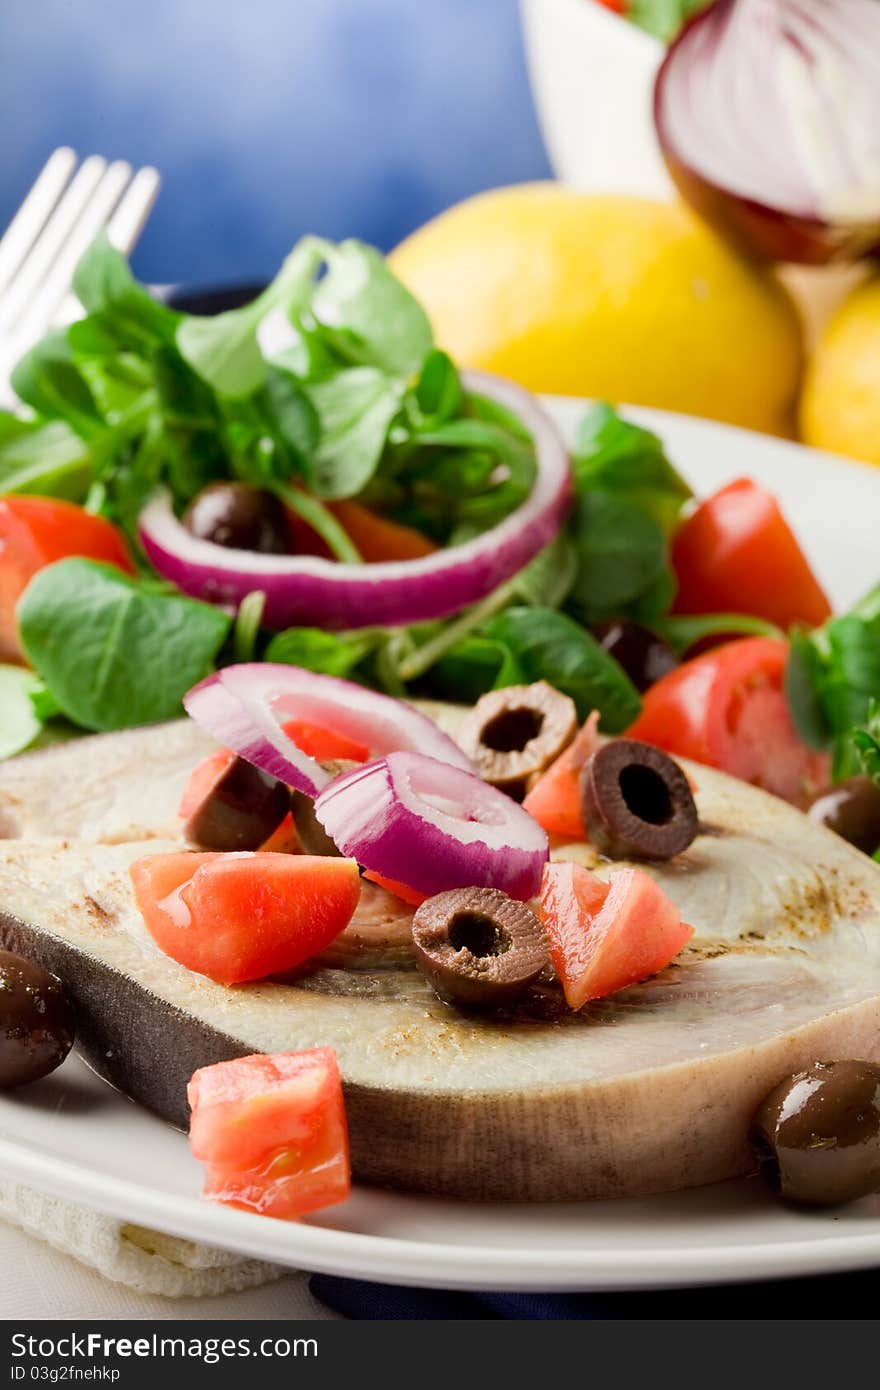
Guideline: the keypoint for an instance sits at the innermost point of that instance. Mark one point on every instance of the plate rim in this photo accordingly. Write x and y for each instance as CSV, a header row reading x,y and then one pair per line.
x,y
433,1264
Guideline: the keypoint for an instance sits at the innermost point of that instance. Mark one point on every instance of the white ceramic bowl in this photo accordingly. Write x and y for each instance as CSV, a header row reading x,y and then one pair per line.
x,y
592,76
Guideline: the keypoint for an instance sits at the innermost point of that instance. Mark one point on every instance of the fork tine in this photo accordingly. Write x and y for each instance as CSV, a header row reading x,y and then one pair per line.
x,y
123,230
41,311
134,207
34,212
51,239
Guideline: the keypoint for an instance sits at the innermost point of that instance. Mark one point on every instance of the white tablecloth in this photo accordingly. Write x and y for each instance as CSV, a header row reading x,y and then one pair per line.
x,y
38,1282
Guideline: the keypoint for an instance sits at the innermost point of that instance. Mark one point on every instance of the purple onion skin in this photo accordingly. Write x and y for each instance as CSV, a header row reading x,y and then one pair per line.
x,y
756,230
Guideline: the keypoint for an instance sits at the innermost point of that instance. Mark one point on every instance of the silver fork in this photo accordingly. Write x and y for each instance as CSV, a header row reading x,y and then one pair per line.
x,y
63,212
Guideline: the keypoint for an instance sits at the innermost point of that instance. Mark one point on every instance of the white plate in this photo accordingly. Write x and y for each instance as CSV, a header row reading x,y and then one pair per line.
x,y
74,1136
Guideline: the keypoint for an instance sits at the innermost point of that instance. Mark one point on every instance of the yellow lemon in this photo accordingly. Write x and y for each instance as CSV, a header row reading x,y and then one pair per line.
x,y
840,407
615,297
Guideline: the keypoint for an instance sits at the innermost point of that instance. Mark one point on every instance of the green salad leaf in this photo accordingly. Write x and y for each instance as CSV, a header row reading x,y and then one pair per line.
x,y
50,460
614,456
20,725
866,743
354,410
621,555
119,310
547,645
684,631
473,666
368,314
113,652
832,679
328,653
48,379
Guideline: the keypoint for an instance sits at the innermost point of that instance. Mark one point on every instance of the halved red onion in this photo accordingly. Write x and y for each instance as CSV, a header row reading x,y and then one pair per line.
x,y
768,115
432,827
244,707
308,590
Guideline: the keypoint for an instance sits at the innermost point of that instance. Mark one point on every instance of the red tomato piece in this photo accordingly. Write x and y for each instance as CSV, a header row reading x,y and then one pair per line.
x,y
272,1132
237,917
400,890
738,554
605,936
728,709
324,744
37,531
555,799
202,779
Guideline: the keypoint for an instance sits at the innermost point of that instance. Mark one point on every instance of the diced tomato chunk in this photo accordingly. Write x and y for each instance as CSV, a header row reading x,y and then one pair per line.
x,y
728,709
324,744
605,936
202,779
237,917
272,1132
738,554
37,531
555,799
400,890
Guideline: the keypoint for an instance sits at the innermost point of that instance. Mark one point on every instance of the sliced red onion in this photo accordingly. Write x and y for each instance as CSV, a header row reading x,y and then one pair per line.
x,y
244,706
433,827
768,114
308,590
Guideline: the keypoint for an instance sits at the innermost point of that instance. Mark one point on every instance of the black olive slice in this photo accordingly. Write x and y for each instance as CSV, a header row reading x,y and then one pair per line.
x,y
312,836
816,1137
852,810
240,812
478,948
636,802
513,734
240,517
37,1024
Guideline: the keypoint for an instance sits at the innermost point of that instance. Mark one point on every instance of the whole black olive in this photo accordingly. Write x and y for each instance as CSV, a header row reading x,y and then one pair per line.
x,y
240,811
238,516
37,1024
644,656
816,1137
512,734
636,802
477,947
852,810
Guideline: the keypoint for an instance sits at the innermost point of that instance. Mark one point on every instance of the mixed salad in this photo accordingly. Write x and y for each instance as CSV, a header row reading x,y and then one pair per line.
x,y
310,480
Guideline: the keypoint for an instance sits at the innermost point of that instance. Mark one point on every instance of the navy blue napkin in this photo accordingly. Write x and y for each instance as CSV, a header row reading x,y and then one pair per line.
x,y
833,1296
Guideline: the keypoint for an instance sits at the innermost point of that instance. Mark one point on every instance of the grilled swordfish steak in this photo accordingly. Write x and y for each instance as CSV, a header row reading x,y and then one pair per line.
x,y
647,1091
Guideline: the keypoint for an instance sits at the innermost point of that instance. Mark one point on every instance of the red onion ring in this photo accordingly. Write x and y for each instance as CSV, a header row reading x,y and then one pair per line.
x,y
432,827
768,116
308,590
243,706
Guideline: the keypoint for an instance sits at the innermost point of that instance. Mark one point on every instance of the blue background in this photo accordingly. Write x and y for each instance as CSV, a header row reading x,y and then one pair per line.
x,y
269,118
